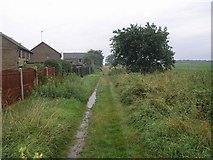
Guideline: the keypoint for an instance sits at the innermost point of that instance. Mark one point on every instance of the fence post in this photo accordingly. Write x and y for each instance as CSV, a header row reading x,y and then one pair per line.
x,y
46,71
22,85
36,70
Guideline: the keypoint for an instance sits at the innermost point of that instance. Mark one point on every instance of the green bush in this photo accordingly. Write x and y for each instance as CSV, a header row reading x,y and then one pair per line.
x,y
66,67
53,63
62,67
72,86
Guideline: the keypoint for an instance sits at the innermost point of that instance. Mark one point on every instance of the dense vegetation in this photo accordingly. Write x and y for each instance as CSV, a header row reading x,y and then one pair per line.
x,y
62,67
93,58
170,112
142,49
47,121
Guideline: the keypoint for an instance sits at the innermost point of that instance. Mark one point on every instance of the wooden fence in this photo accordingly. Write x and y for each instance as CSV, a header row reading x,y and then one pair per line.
x,y
19,84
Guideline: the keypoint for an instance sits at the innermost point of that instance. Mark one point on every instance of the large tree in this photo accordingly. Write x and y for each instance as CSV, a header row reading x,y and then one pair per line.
x,y
94,58
143,49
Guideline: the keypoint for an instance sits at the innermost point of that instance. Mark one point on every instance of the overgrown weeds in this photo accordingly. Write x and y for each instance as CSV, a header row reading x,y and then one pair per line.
x,y
170,111
41,125
72,86
47,121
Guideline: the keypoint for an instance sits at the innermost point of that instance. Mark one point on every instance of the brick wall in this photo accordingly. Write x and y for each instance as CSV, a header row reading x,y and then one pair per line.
x,y
9,55
42,52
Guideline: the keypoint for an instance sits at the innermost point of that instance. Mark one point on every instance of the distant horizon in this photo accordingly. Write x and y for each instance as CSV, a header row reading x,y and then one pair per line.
x,y
193,59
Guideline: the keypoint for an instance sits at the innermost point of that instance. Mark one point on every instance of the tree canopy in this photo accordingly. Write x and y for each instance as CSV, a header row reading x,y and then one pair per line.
x,y
110,60
142,49
94,58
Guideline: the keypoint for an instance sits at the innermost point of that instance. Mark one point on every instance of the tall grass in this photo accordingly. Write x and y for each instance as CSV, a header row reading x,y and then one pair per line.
x,y
170,111
41,125
47,121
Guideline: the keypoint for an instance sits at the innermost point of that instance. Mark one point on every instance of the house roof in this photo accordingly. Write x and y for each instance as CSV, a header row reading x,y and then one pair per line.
x,y
47,46
15,42
73,55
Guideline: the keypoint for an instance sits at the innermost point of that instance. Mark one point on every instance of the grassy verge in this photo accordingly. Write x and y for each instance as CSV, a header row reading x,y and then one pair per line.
x,y
47,121
170,112
105,137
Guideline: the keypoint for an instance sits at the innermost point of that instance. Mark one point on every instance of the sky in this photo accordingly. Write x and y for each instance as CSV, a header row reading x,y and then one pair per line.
x,y
81,25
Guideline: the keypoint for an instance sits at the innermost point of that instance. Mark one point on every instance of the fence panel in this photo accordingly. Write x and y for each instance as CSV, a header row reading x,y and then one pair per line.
x,y
11,83
11,89
29,76
51,71
41,75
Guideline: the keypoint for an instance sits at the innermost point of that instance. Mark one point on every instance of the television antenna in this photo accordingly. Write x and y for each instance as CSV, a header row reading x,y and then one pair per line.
x,y
42,35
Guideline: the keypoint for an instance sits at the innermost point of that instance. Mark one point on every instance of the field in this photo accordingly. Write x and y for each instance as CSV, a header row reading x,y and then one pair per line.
x,y
159,115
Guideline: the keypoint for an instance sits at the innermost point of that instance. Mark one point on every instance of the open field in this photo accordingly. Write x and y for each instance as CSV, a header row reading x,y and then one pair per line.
x,y
192,68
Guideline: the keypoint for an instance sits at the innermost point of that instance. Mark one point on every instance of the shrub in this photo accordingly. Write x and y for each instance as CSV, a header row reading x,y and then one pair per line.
x,y
62,67
116,70
71,86
66,67
53,63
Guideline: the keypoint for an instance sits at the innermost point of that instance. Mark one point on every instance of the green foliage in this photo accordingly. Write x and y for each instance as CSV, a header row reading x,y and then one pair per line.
x,y
142,49
62,67
170,112
47,121
94,58
39,65
66,67
42,125
110,60
24,65
71,87
116,71
53,63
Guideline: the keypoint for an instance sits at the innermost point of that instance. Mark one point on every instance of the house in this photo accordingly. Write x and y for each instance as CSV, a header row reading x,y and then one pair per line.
x,y
74,57
43,52
13,53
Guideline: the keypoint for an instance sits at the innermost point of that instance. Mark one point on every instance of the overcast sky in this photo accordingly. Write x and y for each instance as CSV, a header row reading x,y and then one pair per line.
x,y
80,25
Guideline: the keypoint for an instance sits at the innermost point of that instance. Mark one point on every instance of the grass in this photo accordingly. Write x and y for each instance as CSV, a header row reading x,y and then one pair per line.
x,y
170,112
47,121
192,68
72,86
158,115
105,138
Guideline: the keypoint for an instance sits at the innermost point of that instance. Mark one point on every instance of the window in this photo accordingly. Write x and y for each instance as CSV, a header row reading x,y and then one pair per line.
x,y
24,55
79,60
20,54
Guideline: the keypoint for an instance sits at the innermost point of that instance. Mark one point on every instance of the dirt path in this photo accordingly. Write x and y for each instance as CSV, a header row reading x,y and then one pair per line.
x,y
77,148
105,137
